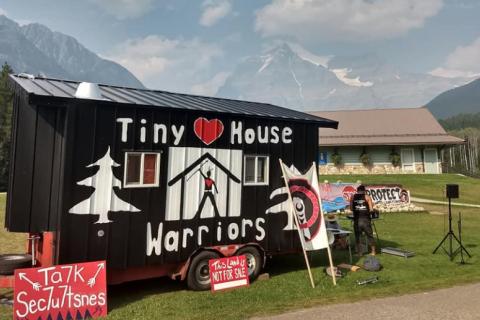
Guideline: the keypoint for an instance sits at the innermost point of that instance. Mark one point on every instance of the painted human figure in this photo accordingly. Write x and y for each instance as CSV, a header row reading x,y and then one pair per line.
x,y
210,186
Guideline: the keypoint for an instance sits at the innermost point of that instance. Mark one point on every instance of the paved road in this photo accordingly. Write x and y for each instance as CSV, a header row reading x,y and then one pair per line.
x,y
457,303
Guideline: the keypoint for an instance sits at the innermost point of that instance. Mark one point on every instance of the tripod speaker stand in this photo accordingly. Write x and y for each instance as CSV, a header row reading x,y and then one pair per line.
x,y
452,192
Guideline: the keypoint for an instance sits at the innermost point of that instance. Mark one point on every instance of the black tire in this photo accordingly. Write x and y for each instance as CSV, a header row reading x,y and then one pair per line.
x,y
254,261
198,277
10,262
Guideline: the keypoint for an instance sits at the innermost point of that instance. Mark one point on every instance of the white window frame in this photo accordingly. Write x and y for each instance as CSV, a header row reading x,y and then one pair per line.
x,y
413,160
267,170
142,160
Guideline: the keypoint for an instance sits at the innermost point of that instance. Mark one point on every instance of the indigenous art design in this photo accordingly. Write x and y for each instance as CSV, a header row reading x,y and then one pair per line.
x,y
209,178
306,201
203,186
103,199
307,205
280,197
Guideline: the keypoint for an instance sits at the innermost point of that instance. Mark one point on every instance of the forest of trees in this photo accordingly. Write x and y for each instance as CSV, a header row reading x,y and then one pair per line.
x,y
463,158
462,121
6,106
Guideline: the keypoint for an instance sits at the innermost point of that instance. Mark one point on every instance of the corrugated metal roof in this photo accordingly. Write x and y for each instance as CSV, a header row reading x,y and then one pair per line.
x,y
384,127
44,87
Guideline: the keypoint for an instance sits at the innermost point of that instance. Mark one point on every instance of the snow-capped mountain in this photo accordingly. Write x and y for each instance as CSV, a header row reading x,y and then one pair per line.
x,y
294,79
35,49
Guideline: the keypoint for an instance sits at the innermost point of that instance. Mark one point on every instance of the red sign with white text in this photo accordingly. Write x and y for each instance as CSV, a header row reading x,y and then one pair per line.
x,y
73,291
227,273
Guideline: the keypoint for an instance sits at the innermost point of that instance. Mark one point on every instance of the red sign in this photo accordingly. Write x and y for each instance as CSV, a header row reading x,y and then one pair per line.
x,y
227,273
74,291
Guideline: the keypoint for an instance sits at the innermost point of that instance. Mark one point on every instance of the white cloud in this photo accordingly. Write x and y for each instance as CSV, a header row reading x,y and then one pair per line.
x,y
343,20
170,64
3,12
125,9
210,87
464,61
214,10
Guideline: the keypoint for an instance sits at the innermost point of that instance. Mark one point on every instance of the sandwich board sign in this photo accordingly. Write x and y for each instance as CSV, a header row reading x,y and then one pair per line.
x,y
228,273
70,291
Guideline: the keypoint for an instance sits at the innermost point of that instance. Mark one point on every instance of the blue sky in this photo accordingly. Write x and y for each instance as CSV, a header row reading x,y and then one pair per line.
x,y
192,46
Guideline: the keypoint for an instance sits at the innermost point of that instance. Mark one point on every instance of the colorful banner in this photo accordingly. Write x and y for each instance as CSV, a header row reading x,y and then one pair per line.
x,y
75,291
305,194
337,196
228,273
388,194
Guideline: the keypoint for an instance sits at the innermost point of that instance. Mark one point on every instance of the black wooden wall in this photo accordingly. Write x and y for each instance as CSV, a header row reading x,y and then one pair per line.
x,y
35,185
53,145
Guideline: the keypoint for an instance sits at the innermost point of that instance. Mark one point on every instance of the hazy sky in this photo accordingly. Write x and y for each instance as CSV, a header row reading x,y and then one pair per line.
x,y
196,44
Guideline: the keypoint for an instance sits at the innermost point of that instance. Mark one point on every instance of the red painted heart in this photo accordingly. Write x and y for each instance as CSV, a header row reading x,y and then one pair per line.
x,y
208,130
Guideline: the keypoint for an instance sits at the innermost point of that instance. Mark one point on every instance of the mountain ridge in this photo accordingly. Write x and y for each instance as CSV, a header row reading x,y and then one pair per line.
x,y
35,49
461,100
282,76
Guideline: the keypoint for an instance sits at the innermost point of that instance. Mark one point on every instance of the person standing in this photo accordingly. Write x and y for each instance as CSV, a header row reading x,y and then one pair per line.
x,y
362,205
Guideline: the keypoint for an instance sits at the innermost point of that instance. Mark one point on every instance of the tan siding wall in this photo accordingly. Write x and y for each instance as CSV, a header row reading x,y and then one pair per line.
x,y
379,155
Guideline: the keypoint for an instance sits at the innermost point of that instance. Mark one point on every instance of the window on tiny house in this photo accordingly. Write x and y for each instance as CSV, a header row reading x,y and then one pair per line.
x,y
256,170
141,169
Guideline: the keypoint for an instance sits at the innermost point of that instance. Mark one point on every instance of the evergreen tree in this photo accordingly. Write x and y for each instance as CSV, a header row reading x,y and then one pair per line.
x,y
103,199
6,106
461,121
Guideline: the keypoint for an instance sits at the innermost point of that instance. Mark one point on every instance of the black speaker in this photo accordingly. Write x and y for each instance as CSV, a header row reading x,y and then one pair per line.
x,y
452,191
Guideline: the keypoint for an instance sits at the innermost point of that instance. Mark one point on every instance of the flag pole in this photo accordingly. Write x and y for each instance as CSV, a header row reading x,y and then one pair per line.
x,y
328,246
292,211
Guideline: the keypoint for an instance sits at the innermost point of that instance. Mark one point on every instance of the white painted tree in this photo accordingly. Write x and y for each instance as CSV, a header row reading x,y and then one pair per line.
x,y
103,199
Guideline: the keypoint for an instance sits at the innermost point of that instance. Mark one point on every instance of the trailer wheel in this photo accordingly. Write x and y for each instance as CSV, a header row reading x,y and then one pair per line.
x,y
198,277
10,262
254,261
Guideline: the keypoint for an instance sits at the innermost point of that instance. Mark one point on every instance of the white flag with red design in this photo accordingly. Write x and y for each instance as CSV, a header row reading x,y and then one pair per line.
x,y
305,194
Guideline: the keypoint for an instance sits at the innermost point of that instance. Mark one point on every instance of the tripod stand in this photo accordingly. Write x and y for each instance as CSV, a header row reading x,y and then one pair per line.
x,y
450,236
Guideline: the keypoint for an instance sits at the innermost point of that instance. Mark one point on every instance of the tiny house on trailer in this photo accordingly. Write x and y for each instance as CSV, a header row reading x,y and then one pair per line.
x,y
156,183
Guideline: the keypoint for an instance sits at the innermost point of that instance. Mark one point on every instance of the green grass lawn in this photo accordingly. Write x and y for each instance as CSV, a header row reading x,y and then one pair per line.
x,y
428,186
289,287
9,242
